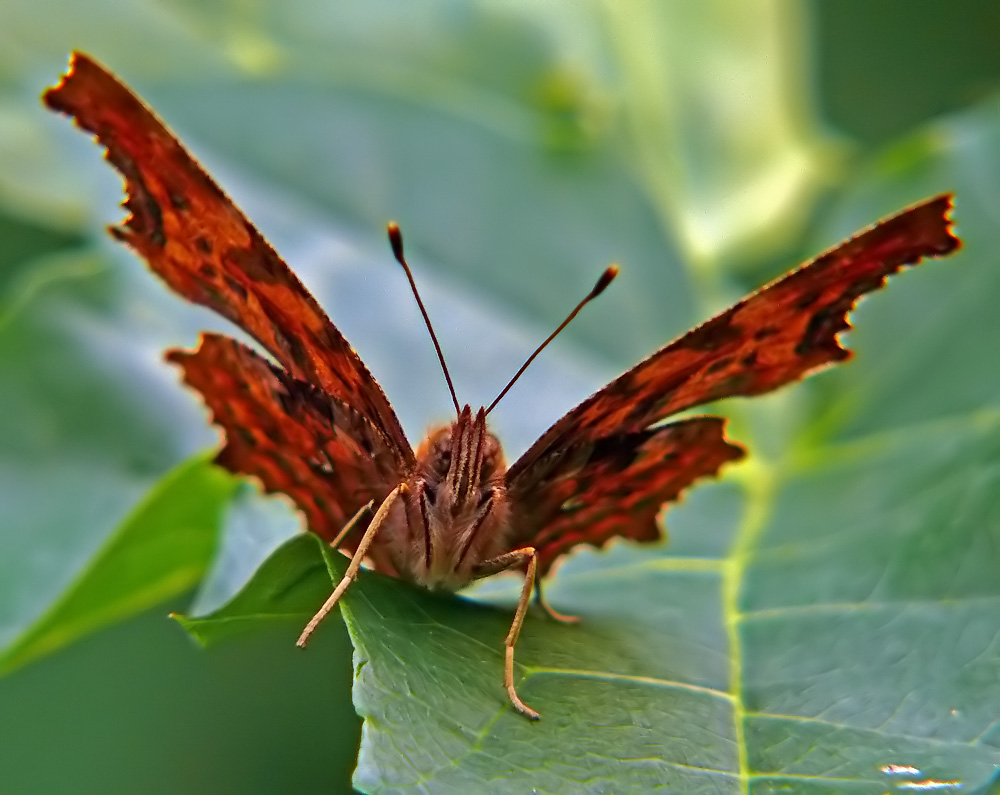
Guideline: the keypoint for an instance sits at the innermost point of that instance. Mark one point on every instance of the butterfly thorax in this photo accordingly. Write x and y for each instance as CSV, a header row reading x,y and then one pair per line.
x,y
455,512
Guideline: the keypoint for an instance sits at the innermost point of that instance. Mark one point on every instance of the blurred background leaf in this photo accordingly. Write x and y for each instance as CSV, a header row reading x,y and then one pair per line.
x,y
522,147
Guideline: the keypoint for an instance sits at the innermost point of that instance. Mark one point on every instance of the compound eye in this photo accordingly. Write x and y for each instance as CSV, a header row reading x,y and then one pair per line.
x,y
442,462
492,461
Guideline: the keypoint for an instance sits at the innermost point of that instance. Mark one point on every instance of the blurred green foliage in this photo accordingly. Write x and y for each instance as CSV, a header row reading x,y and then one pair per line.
x,y
828,610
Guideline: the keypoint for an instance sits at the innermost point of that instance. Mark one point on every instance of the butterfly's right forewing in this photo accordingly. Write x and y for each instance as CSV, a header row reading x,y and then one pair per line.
x,y
773,337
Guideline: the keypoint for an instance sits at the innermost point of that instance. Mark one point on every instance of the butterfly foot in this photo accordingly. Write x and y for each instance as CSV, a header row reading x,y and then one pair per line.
x,y
515,699
554,614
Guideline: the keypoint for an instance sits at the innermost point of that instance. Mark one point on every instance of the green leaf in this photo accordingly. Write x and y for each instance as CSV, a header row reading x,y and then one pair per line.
x,y
162,549
24,242
823,619
85,437
283,590
880,656
843,640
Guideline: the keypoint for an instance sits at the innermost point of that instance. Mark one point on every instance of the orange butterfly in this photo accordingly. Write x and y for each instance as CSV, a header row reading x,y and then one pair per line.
x,y
317,427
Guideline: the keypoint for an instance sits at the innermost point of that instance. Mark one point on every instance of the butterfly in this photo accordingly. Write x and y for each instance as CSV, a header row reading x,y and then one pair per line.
x,y
312,422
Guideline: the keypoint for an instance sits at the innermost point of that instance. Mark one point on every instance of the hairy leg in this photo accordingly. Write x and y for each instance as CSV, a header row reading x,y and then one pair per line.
x,y
512,560
352,570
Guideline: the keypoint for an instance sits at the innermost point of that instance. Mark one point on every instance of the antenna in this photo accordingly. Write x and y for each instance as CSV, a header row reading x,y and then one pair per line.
x,y
396,241
606,278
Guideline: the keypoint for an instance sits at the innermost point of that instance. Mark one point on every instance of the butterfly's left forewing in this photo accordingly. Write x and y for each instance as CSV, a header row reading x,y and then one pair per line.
x,y
196,239
596,456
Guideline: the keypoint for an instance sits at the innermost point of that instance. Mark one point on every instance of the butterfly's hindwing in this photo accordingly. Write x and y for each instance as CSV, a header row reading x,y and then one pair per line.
x,y
614,487
291,436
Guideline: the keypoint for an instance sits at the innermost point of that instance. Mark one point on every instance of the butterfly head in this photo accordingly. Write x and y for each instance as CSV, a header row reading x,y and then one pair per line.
x,y
460,464
459,486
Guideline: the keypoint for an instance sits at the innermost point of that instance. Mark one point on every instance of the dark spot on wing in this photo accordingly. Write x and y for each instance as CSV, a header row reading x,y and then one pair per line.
x,y
823,262
645,406
625,383
207,269
366,444
619,452
736,384
807,299
764,332
203,244
211,296
286,400
274,435
285,466
178,201
862,286
147,218
146,212
322,503
285,343
236,287
246,435
293,346
750,359
332,339
713,335
258,262
821,332
295,394
719,364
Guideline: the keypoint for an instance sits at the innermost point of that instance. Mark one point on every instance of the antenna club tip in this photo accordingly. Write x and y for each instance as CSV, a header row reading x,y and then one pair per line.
x,y
395,239
606,278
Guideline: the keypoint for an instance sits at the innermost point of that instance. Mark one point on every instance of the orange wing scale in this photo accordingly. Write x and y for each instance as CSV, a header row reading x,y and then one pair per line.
x,y
595,491
775,336
294,438
196,239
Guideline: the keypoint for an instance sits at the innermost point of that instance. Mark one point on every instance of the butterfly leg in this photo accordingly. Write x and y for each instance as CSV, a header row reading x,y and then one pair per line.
x,y
352,570
513,560
541,601
351,524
